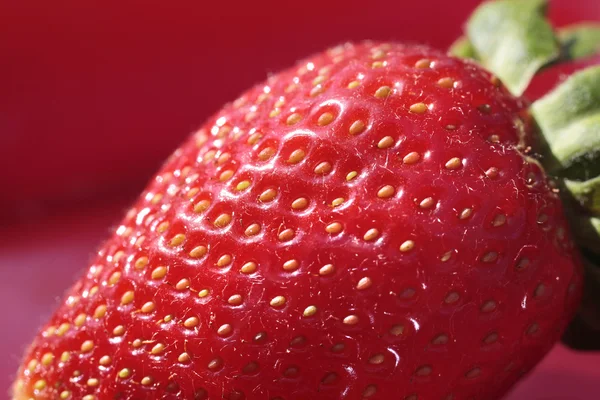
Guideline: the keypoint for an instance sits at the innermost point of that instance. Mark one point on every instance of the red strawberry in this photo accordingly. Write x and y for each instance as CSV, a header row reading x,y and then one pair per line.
x,y
366,225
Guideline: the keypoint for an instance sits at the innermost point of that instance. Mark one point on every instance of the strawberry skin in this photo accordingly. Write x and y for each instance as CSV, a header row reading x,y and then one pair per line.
x,y
364,225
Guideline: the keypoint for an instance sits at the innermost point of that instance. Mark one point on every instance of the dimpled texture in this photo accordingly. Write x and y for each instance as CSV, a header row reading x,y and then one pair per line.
x,y
365,225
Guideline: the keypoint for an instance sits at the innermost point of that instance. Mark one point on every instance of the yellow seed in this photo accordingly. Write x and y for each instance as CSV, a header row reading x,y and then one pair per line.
x,y
310,311
184,358
327,269
369,391
157,348
499,220
351,320
198,251
423,63
353,84
376,359
337,202
224,330
162,227
254,138
183,284
191,322
323,168
87,346
201,206
300,203
427,203
453,163
446,256
378,64
65,356
296,156
275,112
489,257
222,221
364,283
105,361
407,246
32,364
159,272
317,90
177,239
124,373
80,320
285,235
383,92
156,198
64,395
225,175
47,359
334,227
446,83
89,397
291,265
397,330
386,192
40,384
378,54
119,330
114,278
252,230
266,153
127,297
318,80
148,307
371,234
62,329
223,158
267,195
141,262
293,119
93,382
351,175
466,213
235,300
224,260
278,301
385,142
411,158
242,185
418,108
100,311
357,127
249,268
325,119
147,381
492,172
120,254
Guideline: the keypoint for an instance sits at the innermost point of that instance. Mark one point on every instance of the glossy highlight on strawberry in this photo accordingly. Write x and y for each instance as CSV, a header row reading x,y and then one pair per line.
x,y
365,225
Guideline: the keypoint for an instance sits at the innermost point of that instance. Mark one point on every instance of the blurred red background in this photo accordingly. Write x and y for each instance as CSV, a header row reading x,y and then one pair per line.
x,y
94,95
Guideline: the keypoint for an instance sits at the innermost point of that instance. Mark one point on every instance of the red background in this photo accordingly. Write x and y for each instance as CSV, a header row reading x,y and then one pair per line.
x,y
94,95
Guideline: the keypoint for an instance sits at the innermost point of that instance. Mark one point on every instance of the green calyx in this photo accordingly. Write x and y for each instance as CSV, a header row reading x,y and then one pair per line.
x,y
514,40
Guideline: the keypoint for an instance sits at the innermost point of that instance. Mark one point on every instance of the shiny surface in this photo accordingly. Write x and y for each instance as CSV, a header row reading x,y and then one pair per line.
x,y
283,253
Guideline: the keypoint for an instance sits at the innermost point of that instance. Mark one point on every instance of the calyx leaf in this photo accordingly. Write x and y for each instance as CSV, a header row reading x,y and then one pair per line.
x,y
580,40
513,39
569,119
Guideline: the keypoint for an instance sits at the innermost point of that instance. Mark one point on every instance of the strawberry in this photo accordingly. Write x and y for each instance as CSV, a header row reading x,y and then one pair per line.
x,y
371,223
330,233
